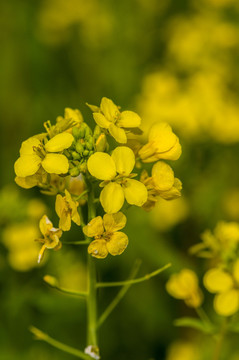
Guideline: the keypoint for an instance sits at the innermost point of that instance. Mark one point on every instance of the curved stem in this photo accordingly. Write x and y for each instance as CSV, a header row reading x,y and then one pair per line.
x,y
133,281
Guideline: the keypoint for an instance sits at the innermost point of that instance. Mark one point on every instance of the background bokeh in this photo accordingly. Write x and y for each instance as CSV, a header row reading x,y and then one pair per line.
x,y
168,60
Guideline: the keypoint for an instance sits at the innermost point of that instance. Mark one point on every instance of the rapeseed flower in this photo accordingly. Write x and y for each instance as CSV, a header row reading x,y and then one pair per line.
x,y
34,155
162,144
66,209
107,237
226,287
109,117
118,185
184,286
51,236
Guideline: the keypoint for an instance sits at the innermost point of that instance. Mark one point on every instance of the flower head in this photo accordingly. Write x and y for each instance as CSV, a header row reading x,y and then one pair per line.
x,y
226,287
34,154
51,236
107,237
66,209
115,171
184,286
108,116
162,144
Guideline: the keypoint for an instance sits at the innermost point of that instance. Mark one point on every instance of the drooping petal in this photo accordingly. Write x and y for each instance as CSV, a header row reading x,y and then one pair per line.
x,y
65,220
129,119
27,165
98,249
101,166
26,182
109,109
114,222
55,164
163,176
174,192
27,147
163,137
59,205
45,225
118,243
112,198
124,159
135,192
101,120
59,142
94,228
227,303
217,280
118,134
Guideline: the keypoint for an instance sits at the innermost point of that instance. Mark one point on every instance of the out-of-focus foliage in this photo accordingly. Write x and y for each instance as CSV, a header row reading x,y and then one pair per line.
x,y
174,61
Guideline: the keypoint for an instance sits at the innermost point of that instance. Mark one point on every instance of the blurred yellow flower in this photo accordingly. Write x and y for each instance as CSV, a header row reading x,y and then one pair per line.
x,y
51,236
184,286
66,209
108,116
23,250
183,350
226,287
162,144
107,237
34,154
36,208
118,184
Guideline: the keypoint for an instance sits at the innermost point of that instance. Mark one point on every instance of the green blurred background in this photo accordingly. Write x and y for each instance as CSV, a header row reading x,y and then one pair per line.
x,y
168,60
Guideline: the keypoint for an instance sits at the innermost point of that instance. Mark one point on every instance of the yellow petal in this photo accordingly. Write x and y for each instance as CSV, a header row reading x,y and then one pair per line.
x,y
27,165
27,147
216,280
76,217
162,136
163,176
114,222
101,166
109,109
65,220
101,120
118,134
227,303
174,192
98,249
118,243
183,284
124,159
135,192
112,198
129,119
55,164
74,115
26,182
59,205
59,142
45,225
94,227
173,154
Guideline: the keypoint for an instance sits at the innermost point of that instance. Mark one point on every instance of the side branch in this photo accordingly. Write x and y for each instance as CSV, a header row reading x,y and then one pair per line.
x,y
133,281
40,335
53,283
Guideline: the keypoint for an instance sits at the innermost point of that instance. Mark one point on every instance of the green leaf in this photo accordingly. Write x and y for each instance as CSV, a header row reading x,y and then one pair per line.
x,y
195,324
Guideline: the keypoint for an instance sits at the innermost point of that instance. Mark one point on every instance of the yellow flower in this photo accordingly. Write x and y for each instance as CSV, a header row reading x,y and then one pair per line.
x,y
51,236
66,209
162,184
184,286
118,184
107,237
33,155
162,144
225,286
108,116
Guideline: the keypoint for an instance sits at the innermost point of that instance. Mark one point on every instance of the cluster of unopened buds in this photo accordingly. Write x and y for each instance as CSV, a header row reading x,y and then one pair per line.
x,y
70,158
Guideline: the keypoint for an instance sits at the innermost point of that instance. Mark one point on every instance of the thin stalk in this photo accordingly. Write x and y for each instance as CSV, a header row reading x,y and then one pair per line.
x,y
40,335
203,316
119,296
133,281
52,282
80,242
221,336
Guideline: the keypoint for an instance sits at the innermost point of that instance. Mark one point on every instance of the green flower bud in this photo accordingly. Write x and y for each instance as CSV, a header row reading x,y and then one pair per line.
x,y
79,147
89,145
88,132
75,155
86,152
97,131
75,171
76,132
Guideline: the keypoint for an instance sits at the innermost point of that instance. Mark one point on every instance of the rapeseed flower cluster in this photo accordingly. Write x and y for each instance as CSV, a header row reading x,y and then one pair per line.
x,y
70,159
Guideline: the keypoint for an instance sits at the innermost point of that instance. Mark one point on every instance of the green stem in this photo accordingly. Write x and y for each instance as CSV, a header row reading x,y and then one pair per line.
x,y
221,336
119,296
51,282
40,335
203,316
133,281
81,242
